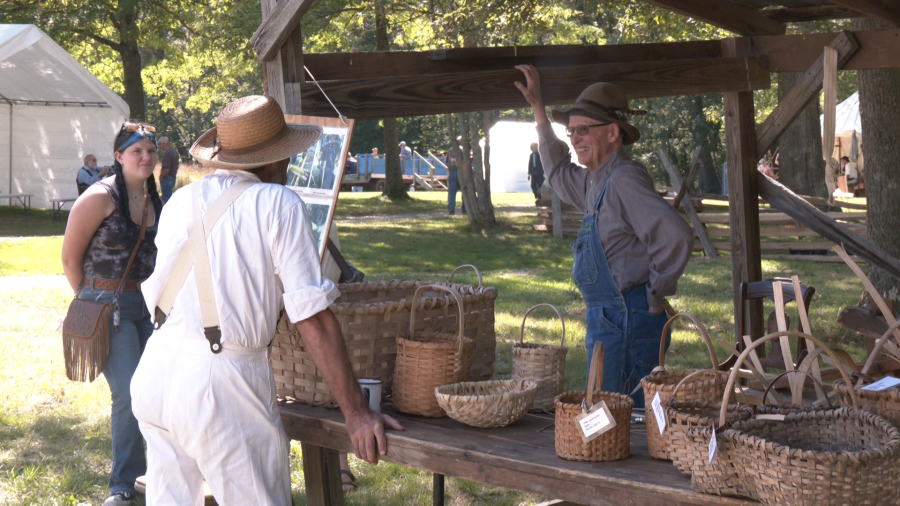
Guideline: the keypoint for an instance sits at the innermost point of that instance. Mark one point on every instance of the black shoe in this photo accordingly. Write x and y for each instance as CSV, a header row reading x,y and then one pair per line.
x,y
452,213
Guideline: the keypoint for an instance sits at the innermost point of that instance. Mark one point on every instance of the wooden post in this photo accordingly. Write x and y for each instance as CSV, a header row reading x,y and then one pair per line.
x,y
437,490
687,203
556,214
743,201
322,474
273,73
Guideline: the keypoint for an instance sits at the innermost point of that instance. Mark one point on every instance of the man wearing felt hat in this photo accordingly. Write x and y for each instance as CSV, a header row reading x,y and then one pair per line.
x,y
234,249
632,246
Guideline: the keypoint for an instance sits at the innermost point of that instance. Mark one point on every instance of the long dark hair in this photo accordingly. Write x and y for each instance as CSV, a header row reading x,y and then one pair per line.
x,y
122,191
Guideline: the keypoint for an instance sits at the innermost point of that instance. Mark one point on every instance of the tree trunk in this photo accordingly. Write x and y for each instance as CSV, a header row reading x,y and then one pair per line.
x,y
879,106
132,80
394,188
465,173
708,181
485,209
802,168
488,123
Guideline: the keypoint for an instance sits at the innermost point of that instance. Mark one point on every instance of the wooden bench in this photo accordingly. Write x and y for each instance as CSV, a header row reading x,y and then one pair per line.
x,y
58,205
22,198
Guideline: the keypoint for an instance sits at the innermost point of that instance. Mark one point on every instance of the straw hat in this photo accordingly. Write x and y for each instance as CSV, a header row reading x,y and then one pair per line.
x,y
251,132
603,102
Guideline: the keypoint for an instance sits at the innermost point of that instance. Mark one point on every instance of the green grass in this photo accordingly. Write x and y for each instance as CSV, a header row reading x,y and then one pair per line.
x,y
14,222
54,434
371,203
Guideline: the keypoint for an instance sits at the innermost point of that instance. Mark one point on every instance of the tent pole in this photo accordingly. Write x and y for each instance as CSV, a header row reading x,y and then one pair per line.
x,y
10,147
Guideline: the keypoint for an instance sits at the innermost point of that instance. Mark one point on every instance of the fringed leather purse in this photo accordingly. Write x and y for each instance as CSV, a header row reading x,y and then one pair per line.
x,y
86,328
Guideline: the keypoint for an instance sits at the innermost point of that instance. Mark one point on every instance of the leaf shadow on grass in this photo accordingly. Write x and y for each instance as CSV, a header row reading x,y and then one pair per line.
x,y
71,452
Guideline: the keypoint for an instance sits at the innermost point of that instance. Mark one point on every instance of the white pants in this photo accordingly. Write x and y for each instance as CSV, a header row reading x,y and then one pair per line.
x,y
212,417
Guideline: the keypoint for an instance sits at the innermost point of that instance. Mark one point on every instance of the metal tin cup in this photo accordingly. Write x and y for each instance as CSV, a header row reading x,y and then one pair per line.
x,y
371,388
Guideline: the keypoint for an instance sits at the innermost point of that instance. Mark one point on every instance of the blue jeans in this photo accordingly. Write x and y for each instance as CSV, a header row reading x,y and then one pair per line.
x,y
452,189
125,348
167,184
631,338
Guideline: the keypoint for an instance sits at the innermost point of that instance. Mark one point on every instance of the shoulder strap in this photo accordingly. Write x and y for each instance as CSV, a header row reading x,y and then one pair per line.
x,y
136,246
203,274
183,263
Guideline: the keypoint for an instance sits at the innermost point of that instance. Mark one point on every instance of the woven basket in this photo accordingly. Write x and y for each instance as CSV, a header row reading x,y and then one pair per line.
x,y
371,315
542,363
707,386
886,403
822,457
615,444
683,415
485,404
479,324
434,359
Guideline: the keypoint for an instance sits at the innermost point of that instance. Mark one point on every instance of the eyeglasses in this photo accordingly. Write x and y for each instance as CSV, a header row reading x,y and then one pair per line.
x,y
583,130
134,127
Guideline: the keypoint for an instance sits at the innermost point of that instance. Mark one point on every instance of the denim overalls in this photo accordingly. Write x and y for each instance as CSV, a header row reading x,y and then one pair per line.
x,y
621,321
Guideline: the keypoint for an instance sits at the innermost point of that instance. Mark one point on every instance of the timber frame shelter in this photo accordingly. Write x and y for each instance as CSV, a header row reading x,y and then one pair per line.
x,y
376,85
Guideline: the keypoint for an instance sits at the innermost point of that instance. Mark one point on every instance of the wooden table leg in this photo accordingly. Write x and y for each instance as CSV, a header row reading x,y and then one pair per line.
x,y
437,490
322,474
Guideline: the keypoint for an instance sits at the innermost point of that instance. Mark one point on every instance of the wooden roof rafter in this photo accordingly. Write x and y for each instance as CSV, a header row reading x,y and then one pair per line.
x,y
724,15
885,9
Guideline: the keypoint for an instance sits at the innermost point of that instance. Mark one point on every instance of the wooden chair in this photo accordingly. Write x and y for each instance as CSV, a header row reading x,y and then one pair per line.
x,y
764,290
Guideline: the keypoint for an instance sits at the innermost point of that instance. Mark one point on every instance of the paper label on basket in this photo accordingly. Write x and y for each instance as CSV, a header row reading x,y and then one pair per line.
x,y
659,413
882,384
713,446
595,422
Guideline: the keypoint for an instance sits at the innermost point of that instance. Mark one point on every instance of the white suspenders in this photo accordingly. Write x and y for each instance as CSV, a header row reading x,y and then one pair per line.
x,y
194,255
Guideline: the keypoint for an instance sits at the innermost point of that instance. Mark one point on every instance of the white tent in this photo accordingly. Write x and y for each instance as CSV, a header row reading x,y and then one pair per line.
x,y
510,149
53,112
847,120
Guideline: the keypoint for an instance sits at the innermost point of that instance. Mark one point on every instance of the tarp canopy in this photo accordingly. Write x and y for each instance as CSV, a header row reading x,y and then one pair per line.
x,y
510,150
847,119
53,112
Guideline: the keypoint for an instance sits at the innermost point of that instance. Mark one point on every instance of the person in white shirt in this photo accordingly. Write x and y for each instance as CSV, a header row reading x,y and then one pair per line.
x,y
849,169
204,396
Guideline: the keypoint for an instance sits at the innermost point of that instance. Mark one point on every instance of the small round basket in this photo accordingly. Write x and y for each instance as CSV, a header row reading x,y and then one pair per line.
x,y
705,386
614,444
486,404
544,364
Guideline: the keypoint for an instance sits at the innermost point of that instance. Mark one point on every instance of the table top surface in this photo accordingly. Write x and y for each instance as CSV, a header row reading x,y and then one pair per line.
x,y
70,199
521,456
13,195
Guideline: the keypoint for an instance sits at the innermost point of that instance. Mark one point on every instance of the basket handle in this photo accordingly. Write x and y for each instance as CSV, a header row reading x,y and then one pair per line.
x,y
562,341
879,345
759,342
795,371
595,380
703,333
480,280
673,397
459,303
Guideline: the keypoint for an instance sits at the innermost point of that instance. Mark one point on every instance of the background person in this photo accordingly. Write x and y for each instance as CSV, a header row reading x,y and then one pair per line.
x,y
101,234
88,174
169,171
632,246
214,415
849,169
535,172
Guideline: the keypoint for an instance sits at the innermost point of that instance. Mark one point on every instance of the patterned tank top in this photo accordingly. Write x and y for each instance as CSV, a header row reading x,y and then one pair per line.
x,y
108,252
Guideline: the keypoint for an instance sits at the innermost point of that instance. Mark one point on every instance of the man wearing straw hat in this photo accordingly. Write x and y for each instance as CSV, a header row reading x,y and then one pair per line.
x,y
234,249
632,246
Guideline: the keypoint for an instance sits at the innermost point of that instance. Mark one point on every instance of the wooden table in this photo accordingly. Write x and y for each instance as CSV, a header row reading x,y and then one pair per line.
x,y
58,205
21,198
519,457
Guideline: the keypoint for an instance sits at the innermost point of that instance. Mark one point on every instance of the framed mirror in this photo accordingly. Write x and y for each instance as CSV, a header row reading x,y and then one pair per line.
x,y
315,174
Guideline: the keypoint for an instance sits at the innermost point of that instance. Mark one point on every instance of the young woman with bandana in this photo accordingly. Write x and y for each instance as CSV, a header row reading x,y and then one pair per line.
x,y
102,231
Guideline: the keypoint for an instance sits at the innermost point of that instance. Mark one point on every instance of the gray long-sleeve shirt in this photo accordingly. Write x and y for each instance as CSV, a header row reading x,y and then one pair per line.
x,y
644,238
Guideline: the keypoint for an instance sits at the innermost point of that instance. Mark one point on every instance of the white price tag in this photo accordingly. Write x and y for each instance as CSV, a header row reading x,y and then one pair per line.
x,y
882,384
713,446
595,422
659,413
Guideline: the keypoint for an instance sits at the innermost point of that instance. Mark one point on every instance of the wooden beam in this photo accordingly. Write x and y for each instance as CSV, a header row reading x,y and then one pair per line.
x,y
277,27
878,49
885,9
789,203
724,15
816,13
688,179
291,56
740,140
477,91
688,204
334,66
273,73
806,89
322,474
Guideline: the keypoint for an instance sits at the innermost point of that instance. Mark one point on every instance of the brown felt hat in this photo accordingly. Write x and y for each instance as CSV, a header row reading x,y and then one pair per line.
x,y
251,132
603,102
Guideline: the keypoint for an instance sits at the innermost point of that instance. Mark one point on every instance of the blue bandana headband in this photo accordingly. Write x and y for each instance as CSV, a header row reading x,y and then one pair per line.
x,y
137,136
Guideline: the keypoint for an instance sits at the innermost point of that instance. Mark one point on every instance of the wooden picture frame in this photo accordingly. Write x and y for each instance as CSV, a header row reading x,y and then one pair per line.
x,y
315,174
